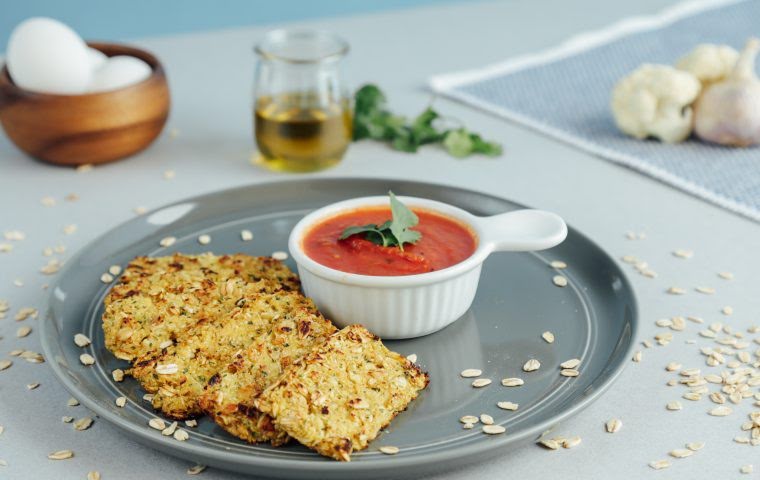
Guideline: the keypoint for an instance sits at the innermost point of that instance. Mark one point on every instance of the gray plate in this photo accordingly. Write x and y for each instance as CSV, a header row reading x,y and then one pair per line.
x,y
593,318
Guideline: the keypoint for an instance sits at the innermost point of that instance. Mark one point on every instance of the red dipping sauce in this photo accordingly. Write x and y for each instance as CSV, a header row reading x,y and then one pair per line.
x,y
445,242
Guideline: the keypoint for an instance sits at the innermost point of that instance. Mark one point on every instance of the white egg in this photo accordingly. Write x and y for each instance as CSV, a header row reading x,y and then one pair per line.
x,y
97,58
119,71
44,55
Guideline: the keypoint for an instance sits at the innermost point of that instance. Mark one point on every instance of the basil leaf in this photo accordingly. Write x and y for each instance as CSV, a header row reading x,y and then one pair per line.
x,y
356,230
403,220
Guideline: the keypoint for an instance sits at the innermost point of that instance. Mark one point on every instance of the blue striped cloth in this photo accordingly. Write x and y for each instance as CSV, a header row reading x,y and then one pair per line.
x,y
567,96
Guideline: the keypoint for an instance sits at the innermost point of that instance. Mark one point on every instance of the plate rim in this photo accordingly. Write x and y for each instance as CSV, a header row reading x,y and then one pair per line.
x,y
284,466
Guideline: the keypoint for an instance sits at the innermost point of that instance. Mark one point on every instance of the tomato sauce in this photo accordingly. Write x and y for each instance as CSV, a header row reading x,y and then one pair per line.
x,y
445,242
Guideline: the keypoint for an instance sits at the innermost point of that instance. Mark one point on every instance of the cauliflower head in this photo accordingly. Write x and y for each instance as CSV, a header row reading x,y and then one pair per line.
x,y
655,101
709,63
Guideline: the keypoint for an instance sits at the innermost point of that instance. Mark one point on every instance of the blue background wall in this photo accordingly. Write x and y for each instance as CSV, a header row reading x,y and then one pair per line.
x,y
119,20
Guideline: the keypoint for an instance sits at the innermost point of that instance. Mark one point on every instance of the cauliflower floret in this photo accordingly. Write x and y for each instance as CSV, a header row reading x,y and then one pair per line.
x,y
709,63
655,101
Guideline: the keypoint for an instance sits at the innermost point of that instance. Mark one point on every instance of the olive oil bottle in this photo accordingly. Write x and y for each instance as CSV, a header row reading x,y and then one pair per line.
x,y
299,132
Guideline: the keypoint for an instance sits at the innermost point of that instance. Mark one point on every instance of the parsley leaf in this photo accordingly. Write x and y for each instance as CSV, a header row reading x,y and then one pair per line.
x,y
373,120
394,232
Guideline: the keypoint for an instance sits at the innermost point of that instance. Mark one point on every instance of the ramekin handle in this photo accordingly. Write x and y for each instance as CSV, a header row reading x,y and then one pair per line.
x,y
522,231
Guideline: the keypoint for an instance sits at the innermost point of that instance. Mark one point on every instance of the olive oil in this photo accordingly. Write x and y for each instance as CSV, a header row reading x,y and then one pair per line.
x,y
296,132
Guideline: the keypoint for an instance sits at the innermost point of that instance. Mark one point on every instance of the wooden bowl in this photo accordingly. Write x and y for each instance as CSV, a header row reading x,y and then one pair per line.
x,y
88,128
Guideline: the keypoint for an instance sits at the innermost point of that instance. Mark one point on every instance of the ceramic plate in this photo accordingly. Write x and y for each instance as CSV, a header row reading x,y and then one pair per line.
x,y
593,318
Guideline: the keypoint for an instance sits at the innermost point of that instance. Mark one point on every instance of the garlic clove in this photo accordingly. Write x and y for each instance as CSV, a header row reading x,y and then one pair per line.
x,y
728,111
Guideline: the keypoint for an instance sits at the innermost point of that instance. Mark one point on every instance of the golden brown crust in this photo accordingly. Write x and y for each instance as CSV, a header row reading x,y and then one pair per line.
x,y
337,398
157,298
228,398
178,375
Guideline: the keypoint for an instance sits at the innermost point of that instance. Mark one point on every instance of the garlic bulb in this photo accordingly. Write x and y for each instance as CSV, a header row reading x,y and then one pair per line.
x,y
728,112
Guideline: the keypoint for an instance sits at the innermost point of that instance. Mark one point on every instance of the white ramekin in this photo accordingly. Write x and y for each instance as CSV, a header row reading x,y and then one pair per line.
x,y
407,306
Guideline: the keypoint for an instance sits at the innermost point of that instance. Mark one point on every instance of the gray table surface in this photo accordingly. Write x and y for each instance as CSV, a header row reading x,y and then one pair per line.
x,y
210,75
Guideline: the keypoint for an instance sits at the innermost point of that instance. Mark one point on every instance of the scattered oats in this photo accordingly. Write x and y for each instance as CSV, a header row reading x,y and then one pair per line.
x,y
707,334
531,365
139,210
106,278
572,363
673,366
117,375
646,343
181,435
81,340
23,331
47,201
548,337
47,252
569,372
718,398
571,442
169,431
3,463
83,424
86,359
664,322
744,357
676,405
713,378
486,419
559,281
59,249
629,259
121,401
558,264
412,357
481,382
114,270
468,426
705,290
720,411
4,306
169,174
549,443
246,235
32,386
637,356
14,235
507,405
93,475
746,469
72,402
281,256
726,275
167,369
613,425
469,419
196,469
148,397
16,353
18,282
681,253
659,464
678,324
727,310
512,382
5,364
51,267
5,247
61,455
191,423
204,239
716,327
741,440
663,338
695,319
493,429
84,168
69,229
32,357
694,397
676,291
167,241
67,419
471,372
681,453
157,424
389,450
695,446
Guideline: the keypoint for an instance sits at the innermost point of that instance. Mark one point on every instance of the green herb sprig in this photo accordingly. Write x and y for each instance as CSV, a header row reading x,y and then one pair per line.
x,y
372,120
394,232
